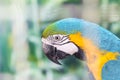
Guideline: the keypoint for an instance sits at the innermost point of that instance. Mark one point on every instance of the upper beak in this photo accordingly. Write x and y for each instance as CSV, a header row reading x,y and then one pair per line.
x,y
53,54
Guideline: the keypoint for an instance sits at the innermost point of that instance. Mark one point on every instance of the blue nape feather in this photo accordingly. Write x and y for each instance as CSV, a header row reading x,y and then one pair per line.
x,y
101,37
111,70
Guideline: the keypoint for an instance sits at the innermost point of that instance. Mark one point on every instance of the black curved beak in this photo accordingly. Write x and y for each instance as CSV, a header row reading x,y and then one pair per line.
x,y
53,54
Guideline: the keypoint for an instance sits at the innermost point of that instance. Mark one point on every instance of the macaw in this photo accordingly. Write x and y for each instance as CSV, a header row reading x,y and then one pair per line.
x,y
87,41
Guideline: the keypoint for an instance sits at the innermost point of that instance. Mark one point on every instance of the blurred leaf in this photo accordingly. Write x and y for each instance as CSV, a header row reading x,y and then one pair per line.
x,y
72,63
73,1
32,55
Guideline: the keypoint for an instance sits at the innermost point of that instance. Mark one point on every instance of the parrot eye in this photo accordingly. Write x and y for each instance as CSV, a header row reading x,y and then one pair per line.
x,y
57,38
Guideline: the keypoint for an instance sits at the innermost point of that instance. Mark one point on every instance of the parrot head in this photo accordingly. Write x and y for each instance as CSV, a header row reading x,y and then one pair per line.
x,y
56,42
84,40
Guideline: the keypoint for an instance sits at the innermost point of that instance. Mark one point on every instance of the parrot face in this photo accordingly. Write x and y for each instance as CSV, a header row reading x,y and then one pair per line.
x,y
59,46
56,43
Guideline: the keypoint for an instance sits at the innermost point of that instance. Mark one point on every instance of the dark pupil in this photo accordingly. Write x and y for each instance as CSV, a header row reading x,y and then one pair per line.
x,y
56,37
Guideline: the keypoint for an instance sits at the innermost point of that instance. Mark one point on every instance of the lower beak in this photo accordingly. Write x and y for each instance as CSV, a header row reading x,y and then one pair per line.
x,y
53,54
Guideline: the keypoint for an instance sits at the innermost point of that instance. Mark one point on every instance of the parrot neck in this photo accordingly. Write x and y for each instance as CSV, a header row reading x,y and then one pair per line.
x,y
95,58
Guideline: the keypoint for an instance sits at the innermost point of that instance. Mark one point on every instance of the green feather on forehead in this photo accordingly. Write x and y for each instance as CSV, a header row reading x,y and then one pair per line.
x,y
51,30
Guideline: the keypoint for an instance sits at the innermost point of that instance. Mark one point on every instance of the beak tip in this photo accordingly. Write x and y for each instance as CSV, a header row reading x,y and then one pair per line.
x,y
58,63
53,59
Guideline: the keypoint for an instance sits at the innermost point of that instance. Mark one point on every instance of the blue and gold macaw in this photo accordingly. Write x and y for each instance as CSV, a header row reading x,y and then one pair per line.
x,y
88,42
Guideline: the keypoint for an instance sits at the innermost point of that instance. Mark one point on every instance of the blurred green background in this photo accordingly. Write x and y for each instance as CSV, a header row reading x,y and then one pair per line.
x,y
21,26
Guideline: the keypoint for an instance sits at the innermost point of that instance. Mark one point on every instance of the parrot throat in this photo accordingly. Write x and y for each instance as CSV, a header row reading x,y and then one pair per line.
x,y
95,58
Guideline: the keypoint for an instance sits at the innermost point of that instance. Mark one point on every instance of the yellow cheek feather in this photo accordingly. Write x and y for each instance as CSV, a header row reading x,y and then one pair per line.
x,y
95,57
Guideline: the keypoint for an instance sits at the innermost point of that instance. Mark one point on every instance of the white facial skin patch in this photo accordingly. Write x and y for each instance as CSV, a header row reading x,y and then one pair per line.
x,y
68,48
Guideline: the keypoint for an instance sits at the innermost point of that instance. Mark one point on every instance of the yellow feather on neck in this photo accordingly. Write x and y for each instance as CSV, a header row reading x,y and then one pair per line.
x,y
95,58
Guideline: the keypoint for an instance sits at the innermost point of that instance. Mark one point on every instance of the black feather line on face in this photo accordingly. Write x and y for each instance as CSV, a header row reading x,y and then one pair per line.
x,y
62,40
80,54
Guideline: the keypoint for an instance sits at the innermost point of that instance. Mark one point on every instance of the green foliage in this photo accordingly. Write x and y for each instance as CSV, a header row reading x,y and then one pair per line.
x,y
32,55
42,1
73,2
114,1
5,49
